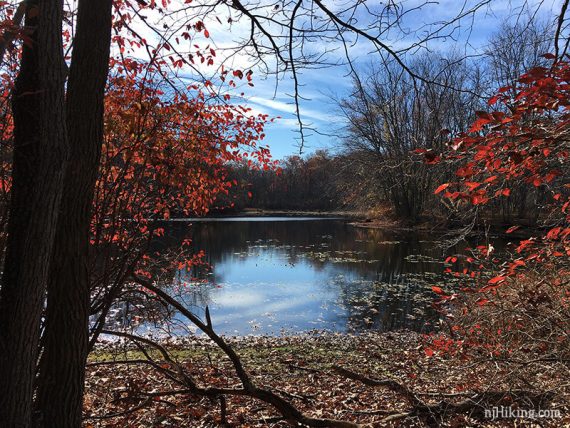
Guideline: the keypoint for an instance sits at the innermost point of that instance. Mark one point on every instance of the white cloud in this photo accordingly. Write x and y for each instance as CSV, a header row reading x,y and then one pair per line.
x,y
289,107
266,98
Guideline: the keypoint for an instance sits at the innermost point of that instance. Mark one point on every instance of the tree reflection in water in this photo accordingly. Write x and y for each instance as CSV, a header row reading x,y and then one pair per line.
x,y
274,275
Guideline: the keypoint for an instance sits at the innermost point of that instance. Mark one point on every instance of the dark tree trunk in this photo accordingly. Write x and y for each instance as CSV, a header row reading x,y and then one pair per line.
x,y
40,150
66,336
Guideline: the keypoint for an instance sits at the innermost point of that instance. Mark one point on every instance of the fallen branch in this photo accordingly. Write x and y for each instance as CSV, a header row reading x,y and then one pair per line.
x,y
389,383
474,405
248,388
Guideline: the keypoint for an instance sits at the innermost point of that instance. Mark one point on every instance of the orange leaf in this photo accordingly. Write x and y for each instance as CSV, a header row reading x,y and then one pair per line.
x,y
442,188
497,279
437,290
472,185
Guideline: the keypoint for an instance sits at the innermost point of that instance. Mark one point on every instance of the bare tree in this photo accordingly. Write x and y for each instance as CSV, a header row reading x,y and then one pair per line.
x,y
390,115
284,37
514,49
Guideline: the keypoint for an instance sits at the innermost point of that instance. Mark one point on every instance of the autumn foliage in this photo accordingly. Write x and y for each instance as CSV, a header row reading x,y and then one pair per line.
x,y
165,155
518,301
168,144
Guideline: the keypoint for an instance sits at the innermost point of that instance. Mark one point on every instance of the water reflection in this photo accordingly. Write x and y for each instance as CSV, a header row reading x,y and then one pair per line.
x,y
292,276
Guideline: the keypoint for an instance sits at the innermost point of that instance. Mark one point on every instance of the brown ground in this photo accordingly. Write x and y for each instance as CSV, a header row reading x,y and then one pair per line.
x,y
301,369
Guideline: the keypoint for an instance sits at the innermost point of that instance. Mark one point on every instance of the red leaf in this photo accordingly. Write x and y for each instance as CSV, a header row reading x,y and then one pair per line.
x,y
484,115
497,279
512,229
479,199
466,171
553,233
493,100
437,290
484,118
442,188
472,185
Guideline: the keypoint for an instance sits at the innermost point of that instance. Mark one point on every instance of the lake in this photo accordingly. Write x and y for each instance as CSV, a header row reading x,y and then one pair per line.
x,y
286,275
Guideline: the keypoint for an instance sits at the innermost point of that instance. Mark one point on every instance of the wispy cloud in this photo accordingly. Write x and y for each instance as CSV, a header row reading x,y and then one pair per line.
x,y
289,108
322,85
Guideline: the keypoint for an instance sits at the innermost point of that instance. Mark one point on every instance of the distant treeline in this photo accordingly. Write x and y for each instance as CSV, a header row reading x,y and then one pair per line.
x,y
301,183
389,116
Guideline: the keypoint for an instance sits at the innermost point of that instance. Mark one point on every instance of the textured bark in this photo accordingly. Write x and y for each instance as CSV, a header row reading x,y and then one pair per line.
x,y
66,335
40,150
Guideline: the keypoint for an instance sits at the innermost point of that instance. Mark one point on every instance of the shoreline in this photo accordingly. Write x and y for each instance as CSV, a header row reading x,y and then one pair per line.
x,y
304,337
368,220
256,212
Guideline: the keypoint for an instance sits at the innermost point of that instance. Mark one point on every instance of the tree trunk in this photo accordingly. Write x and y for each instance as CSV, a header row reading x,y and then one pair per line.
x,y
66,336
40,150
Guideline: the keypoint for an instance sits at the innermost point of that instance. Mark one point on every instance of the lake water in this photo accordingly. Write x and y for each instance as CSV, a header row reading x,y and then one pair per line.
x,y
273,275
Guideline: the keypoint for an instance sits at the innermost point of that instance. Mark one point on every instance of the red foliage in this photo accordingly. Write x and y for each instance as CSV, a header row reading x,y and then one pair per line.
x,y
523,140
167,143
165,154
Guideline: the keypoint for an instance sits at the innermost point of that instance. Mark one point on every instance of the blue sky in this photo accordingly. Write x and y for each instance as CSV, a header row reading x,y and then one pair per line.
x,y
318,110
320,86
